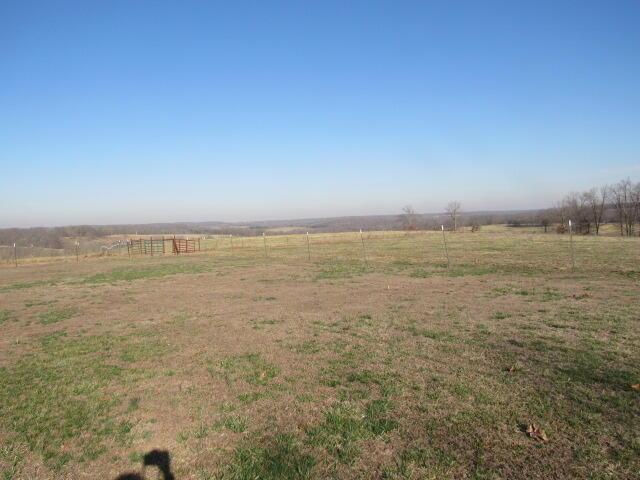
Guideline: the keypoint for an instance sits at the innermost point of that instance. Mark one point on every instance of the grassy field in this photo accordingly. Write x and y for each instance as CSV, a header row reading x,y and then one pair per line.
x,y
246,362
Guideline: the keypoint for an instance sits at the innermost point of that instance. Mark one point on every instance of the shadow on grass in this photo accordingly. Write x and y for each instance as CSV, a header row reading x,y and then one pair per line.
x,y
156,458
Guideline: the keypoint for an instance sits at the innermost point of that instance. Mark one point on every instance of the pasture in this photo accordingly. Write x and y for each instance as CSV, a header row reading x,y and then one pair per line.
x,y
251,361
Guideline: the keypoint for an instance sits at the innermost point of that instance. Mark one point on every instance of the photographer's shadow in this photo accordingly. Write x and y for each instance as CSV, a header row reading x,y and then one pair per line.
x,y
157,458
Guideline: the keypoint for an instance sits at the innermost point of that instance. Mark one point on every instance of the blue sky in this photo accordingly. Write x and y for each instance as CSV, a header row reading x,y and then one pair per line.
x,y
121,111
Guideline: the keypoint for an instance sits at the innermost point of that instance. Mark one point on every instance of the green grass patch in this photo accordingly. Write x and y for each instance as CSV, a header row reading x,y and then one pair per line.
x,y
234,423
548,294
308,347
251,368
23,285
264,299
376,417
6,315
130,274
338,270
56,315
250,397
54,400
424,273
431,460
345,424
278,458
438,335
472,269
552,294
512,290
261,324
11,459
38,303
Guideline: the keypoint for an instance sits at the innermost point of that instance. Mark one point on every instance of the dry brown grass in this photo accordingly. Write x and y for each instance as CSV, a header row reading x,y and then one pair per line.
x,y
250,367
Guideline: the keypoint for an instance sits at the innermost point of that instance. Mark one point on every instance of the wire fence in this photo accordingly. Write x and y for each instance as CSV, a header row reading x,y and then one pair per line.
x,y
502,250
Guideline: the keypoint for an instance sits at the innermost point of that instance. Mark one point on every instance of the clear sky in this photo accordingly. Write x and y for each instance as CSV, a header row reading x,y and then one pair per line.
x,y
133,111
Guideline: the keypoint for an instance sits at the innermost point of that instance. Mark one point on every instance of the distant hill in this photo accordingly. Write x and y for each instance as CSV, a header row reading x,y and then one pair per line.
x,y
54,237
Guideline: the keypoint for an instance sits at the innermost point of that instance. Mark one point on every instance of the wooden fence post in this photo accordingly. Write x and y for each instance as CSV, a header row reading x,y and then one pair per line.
x,y
77,246
308,247
264,239
15,254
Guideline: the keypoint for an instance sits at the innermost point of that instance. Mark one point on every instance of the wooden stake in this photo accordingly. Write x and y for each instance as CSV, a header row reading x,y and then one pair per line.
x,y
129,248
77,257
308,247
264,239
444,240
364,252
15,254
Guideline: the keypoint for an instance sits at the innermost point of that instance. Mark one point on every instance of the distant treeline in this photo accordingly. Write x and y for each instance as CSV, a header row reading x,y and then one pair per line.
x,y
619,204
54,237
45,237
59,237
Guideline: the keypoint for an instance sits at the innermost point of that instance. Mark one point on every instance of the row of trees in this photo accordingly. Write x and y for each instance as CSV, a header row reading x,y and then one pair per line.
x,y
412,221
589,210
618,203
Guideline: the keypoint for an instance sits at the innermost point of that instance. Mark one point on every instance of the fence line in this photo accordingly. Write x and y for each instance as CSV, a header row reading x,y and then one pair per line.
x,y
505,249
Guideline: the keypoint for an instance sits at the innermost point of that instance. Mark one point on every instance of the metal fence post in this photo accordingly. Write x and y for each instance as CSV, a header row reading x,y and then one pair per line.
x,y
573,259
364,252
446,250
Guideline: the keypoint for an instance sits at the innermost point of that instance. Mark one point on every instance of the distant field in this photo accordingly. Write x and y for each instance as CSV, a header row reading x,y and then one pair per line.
x,y
383,362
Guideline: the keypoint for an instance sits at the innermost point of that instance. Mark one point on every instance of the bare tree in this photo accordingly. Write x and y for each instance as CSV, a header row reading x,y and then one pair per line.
x,y
575,209
617,197
409,217
622,195
562,216
453,209
595,201
635,200
545,223
616,203
544,218
604,198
